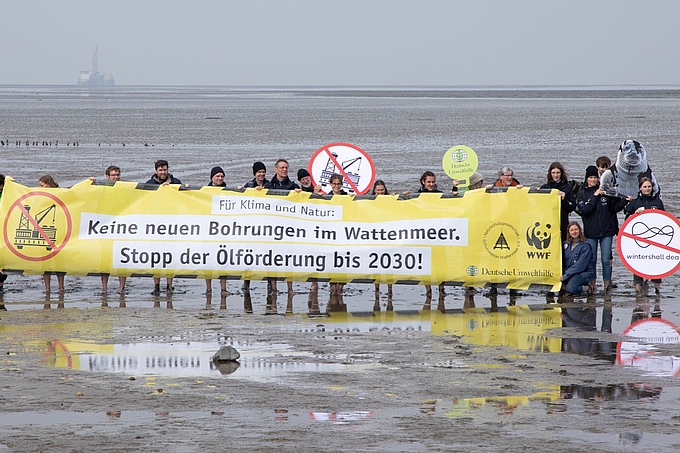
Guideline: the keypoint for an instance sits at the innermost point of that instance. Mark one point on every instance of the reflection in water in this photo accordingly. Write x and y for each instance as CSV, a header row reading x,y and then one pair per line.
x,y
60,301
340,417
611,392
335,303
584,317
184,359
272,300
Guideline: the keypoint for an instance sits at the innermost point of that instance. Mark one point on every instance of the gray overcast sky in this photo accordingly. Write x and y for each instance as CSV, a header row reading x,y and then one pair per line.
x,y
345,42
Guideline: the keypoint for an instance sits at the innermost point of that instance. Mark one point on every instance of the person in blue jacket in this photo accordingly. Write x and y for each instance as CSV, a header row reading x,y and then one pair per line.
x,y
578,269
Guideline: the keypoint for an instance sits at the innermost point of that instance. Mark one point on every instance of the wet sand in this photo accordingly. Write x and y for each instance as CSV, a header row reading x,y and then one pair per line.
x,y
354,378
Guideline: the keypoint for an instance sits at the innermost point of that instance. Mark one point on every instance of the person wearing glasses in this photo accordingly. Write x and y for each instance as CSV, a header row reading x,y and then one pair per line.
x,y
281,181
506,178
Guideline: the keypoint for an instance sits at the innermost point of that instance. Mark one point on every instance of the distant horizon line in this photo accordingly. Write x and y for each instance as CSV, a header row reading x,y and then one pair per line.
x,y
361,87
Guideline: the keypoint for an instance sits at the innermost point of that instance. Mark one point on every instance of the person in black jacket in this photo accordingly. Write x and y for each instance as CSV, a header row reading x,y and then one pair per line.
x,y
646,199
281,181
600,224
557,179
216,180
162,177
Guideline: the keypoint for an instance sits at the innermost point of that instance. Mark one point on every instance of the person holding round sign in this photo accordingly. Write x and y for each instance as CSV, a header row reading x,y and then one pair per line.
x,y
646,199
577,262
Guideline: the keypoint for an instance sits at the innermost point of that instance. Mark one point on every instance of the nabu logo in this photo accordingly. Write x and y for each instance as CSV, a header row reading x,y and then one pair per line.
x,y
539,237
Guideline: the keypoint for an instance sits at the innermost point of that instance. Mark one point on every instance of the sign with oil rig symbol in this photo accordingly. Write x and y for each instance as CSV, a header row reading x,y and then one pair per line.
x,y
349,161
37,226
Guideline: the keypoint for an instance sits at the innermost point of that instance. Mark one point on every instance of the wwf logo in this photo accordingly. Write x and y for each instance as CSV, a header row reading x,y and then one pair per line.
x,y
539,237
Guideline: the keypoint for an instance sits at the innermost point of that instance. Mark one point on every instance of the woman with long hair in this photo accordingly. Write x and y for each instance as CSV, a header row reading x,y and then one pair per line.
x,y
557,179
47,181
577,265
646,199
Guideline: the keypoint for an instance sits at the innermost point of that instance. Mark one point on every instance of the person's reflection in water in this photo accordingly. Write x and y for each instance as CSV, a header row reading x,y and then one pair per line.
x,y
289,302
60,302
469,301
271,308
442,305
376,302
493,298
208,300
121,300
313,302
642,309
247,302
585,318
105,300
427,305
336,303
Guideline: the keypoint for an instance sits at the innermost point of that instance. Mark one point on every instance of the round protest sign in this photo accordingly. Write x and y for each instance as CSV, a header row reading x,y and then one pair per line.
x,y
460,162
37,226
349,161
649,244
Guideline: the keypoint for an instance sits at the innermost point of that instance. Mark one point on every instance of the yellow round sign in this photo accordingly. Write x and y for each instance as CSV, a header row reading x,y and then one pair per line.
x,y
460,162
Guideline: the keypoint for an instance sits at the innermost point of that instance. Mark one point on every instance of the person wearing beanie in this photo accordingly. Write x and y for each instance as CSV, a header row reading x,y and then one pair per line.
x,y
260,177
217,177
216,180
305,180
600,225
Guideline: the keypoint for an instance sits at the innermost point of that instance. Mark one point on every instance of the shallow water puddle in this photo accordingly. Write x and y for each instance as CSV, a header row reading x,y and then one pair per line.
x,y
115,420
183,359
530,328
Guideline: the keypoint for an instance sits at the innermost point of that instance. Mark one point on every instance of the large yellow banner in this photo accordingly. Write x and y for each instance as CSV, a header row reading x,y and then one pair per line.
x,y
125,229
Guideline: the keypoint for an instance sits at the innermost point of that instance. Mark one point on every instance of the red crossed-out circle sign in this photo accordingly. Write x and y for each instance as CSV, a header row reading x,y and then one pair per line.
x,y
351,162
22,229
649,244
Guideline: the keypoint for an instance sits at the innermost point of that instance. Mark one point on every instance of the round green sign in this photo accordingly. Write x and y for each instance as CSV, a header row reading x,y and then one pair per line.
x,y
460,162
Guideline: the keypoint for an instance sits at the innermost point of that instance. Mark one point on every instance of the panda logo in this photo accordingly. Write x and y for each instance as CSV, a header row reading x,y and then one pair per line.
x,y
539,237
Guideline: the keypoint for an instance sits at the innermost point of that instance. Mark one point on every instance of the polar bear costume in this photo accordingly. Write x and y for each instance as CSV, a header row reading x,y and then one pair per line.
x,y
622,178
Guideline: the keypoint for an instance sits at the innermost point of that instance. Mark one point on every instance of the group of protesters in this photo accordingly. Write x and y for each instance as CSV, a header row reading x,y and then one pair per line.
x,y
595,204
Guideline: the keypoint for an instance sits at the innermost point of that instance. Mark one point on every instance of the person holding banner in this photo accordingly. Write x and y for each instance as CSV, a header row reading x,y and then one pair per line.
x,y
259,181
600,225
281,181
260,177
3,276
577,262
112,173
162,176
47,181
646,199
557,179
506,178
216,180
428,184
